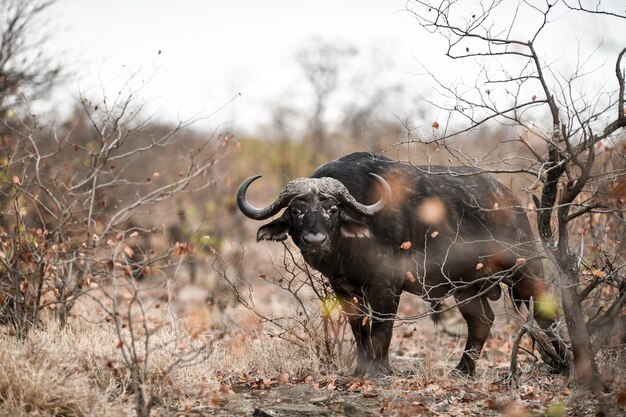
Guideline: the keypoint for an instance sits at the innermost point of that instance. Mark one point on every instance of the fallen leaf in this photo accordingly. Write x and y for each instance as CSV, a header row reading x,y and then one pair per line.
x,y
410,276
479,265
405,245
599,273
225,389
491,404
128,251
434,234
435,125
621,397
520,261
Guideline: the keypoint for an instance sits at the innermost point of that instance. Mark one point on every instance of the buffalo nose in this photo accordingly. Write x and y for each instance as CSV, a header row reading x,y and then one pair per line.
x,y
314,238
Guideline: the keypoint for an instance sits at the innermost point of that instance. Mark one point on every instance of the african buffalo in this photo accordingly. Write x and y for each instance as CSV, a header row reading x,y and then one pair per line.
x,y
376,227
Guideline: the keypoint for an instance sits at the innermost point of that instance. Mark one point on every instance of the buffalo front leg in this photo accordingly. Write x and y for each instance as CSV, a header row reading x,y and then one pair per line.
x,y
371,316
479,317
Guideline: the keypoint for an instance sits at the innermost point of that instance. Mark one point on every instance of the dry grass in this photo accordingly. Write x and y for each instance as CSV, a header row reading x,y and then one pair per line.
x,y
54,373
79,370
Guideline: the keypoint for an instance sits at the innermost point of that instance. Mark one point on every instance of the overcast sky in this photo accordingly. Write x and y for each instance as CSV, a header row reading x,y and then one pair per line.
x,y
214,49
199,54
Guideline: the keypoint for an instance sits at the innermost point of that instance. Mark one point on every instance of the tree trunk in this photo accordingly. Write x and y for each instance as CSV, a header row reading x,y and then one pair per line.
x,y
584,371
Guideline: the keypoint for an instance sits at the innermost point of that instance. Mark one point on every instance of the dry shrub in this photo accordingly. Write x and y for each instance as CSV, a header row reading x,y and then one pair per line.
x,y
79,371
41,377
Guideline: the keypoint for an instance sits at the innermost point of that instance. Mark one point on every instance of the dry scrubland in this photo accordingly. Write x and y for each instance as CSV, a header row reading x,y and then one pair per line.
x,y
209,355
217,324
251,333
131,285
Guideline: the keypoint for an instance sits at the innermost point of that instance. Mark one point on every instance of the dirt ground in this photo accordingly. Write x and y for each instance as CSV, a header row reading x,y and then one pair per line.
x,y
423,356
393,396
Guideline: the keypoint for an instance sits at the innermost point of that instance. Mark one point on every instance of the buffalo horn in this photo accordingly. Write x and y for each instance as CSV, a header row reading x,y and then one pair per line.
x,y
366,210
303,185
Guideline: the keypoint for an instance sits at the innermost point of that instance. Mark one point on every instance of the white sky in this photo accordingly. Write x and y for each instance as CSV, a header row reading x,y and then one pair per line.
x,y
213,49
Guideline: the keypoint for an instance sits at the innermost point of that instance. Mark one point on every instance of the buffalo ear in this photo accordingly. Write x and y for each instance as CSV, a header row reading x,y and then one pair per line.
x,y
353,228
275,230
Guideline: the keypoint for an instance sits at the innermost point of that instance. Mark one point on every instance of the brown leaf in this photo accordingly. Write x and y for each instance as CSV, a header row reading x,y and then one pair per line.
x,y
283,378
128,251
15,180
119,344
520,261
225,389
409,276
621,397
435,125
491,404
599,273
479,265
533,98
405,245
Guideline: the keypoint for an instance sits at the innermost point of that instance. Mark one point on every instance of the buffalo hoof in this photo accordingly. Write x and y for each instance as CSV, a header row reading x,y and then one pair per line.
x,y
373,371
461,372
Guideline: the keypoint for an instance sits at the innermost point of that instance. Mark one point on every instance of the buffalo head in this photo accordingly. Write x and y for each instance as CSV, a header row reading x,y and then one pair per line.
x,y
320,211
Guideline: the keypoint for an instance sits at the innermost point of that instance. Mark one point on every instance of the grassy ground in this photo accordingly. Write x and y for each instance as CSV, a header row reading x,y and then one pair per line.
x,y
210,356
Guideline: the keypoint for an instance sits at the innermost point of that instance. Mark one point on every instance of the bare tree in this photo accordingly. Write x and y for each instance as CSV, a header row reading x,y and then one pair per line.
x,y
68,197
26,67
322,64
564,130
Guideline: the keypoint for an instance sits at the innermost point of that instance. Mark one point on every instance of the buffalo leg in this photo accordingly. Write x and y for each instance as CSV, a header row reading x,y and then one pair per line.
x,y
371,320
522,291
479,317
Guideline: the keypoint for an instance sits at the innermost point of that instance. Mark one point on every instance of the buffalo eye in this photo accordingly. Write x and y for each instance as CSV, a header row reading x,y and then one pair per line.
x,y
295,211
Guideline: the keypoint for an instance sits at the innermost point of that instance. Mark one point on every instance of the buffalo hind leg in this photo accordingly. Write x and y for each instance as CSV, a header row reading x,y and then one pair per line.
x,y
479,317
371,320
543,317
